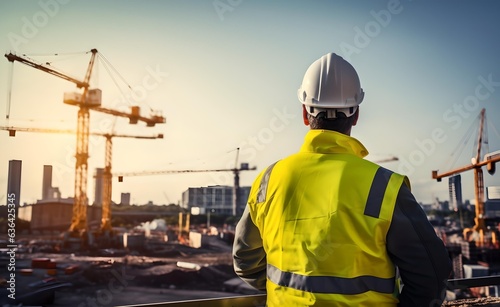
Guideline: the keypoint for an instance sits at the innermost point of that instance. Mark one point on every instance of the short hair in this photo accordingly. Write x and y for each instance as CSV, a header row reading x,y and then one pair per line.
x,y
340,124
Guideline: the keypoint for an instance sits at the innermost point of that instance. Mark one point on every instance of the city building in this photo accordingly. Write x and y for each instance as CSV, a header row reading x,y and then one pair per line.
x,y
14,182
48,191
47,181
492,203
56,214
455,190
215,199
98,185
440,205
125,199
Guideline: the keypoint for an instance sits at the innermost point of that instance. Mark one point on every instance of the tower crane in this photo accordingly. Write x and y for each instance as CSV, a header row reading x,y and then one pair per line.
x,y
476,165
236,171
107,177
89,99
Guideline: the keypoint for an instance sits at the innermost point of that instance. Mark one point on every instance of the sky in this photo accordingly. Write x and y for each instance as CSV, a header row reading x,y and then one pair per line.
x,y
225,75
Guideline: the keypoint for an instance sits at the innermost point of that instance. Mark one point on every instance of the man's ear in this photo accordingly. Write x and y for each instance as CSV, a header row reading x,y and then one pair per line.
x,y
304,115
356,118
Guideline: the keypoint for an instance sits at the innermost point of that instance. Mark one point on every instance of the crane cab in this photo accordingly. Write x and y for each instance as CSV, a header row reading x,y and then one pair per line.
x,y
491,165
94,98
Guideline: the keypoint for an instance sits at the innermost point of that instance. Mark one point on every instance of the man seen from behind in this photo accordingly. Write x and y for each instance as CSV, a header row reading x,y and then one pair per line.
x,y
325,227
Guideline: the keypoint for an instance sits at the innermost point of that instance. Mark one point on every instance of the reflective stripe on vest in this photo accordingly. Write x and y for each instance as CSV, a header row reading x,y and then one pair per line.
x,y
330,284
261,194
377,191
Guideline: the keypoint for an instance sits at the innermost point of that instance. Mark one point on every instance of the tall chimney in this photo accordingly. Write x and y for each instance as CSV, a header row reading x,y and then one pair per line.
x,y
98,186
47,182
14,182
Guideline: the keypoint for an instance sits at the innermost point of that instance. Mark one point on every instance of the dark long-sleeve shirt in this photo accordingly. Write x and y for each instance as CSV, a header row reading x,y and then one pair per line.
x,y
420,256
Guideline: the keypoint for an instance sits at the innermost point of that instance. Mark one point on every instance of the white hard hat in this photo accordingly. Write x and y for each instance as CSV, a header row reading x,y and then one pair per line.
x,y
331,85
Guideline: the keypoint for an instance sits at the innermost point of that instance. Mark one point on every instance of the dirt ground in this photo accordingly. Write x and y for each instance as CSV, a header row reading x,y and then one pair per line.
x,y
115,278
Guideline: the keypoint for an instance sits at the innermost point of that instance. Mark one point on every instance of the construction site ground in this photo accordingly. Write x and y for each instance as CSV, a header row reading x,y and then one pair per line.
x,y
119,277
113,277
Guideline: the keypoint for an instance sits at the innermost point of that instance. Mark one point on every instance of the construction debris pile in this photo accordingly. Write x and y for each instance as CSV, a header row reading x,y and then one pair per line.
x,y
483,301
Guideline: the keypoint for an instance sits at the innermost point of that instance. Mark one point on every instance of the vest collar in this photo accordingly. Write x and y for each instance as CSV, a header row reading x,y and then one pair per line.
x,y
325,141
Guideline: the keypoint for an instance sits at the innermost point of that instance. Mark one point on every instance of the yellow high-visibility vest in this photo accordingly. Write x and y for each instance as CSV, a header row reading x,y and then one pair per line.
x,y
323,215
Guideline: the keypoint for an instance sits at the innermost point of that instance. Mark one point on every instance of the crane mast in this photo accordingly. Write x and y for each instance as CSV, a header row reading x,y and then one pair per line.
x,y
479,226
85,103
79,218
108,177
107,186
